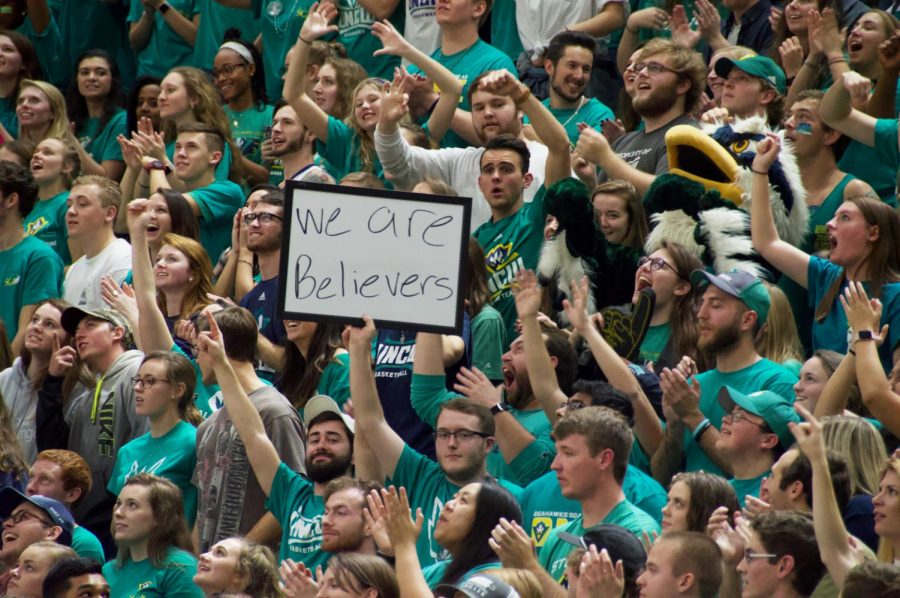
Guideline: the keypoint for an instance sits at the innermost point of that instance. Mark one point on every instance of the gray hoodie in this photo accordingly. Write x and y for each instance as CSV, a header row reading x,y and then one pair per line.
x,y
98,439
21,401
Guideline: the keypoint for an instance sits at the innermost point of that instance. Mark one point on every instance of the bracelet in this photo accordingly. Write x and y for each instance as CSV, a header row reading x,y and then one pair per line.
x,y
243,261
701,428
305,41
836,60
851,352
758,172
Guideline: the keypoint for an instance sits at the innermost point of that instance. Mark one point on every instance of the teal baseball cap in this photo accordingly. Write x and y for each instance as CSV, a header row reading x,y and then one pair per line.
x,y
757,66
741,284
775,410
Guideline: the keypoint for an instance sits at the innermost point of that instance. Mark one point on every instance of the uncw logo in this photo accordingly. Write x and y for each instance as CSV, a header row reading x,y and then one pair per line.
x,y
11,281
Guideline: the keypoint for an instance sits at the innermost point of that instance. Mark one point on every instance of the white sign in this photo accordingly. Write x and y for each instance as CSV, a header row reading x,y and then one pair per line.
x,y
393,255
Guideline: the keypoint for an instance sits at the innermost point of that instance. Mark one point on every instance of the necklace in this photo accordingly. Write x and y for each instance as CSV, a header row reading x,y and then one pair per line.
x,y
274,10
574,114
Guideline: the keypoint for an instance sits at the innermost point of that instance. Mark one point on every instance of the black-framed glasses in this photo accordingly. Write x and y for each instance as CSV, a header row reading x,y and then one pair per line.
x,y
263,217
146,382
227,69
749,555
461,436
20,516
573,405
653,68
656,263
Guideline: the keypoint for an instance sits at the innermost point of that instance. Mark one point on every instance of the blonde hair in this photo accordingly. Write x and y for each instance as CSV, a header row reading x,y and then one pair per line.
x,y
59,126
522,581
70,157
366,140
861,445
12,459
886,552
109,193
778,339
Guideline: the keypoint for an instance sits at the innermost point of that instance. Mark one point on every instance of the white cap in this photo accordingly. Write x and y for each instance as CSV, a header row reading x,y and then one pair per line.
x,y
320,404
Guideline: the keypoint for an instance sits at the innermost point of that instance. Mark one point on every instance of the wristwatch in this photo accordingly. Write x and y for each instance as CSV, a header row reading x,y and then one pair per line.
x,y
499,408
158,165
864,335
164,8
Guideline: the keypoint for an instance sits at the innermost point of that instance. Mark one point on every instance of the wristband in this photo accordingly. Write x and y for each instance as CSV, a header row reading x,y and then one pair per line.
x,y
248,262
702,427
498,408
158,165
164,8
305,41
758,172
864,335
836,60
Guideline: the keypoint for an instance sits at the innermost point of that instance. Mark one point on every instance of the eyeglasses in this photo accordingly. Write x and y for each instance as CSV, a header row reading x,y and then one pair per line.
x,y
749,555
227,70
147,382
20,516
653,68
461,436
740,416
263,218
656,263
574,405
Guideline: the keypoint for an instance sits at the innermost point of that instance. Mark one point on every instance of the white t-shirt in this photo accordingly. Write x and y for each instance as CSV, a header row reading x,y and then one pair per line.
x,y
539,20
421,29
82,284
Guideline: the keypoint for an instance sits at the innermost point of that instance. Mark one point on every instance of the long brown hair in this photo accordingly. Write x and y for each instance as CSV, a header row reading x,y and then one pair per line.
x,y
347,73
366,140
12,458
683,321
195,298
302,374
477,292
884,257
634,207
170,529
179,370
778,339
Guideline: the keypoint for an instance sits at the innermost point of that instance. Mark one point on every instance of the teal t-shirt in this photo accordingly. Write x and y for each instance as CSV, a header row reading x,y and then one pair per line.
x,y
545,508
86,544
8,117
279,25
215,20
552,556
466,65
504,29
103,145
85,25
218,203
174,579
166,49
654,342
510,245
762,375
355,32
428,393
876,165
335,379
47,222
49,49
434,573
343,153
248,129
299,510
30,272
832,332
428,489
744,487
591,111
489,343
172,456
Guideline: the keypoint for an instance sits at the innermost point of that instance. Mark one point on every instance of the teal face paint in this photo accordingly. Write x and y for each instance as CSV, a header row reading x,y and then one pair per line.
x,y
804,128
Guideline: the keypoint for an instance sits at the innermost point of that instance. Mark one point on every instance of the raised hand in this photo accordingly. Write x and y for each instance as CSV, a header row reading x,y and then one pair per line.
x,y
809,436
319,21
137,216
394,43
681,396
791,56
731,541
612,129
576,309
296,580
476,386
708,18
682,34
599,577
824,33
394,101
62,359
503,83
527,293
364,335
510,542
648,18
862,313
131,152
401,528
119,299
889,53
592,144
767,152
211,342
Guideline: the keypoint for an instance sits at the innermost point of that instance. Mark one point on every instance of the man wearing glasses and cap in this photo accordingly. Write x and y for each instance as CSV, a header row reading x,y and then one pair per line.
x,y
92,421
734,307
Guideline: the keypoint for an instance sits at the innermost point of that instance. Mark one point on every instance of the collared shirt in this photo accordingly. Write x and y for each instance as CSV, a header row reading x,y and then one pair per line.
x,y
755,31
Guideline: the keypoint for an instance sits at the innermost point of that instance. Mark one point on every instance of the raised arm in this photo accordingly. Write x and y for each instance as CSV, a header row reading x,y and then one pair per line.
x,y
152,329
315,26
882,102
450,86
782,255
366,405
838,114
594,147
831,535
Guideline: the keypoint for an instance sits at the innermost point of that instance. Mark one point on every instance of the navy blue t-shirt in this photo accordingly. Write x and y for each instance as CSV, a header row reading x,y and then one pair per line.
x,y
262,302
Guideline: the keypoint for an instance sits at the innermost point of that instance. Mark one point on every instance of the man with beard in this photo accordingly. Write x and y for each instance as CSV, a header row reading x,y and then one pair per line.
x,y
294,145
568,62
669,82
496,110
263,224
735,305
344,526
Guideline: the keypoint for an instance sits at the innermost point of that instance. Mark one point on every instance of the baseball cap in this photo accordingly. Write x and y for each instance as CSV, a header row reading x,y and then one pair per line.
x,y
73,315
481,585
10,498
738,283
775,410
757,66
620,543
320,404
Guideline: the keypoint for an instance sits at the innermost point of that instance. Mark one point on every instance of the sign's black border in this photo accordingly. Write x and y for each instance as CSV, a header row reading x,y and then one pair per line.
x,y
291,187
